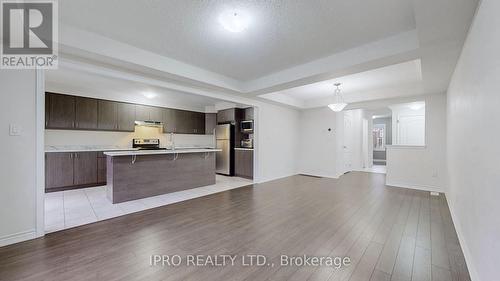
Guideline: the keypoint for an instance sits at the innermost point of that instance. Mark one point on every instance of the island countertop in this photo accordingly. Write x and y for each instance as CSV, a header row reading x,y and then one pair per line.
x,y
163,151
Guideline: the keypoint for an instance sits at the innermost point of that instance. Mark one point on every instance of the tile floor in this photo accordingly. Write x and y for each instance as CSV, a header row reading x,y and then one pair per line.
x,y
379,169
66,209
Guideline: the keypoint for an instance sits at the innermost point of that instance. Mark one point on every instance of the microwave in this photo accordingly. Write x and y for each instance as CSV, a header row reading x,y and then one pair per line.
x,y
247,126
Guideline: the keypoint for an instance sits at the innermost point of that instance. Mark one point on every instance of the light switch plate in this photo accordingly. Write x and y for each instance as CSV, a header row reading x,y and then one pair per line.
x,y
14,130
433,193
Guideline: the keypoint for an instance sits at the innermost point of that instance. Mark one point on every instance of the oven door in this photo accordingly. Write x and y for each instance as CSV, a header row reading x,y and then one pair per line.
x,y
247,126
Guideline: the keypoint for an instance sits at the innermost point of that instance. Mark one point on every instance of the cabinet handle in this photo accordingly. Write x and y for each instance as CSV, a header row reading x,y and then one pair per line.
x,y
71,155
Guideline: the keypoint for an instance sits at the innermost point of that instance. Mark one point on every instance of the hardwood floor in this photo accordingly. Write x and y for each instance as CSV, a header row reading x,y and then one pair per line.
x,y
389,234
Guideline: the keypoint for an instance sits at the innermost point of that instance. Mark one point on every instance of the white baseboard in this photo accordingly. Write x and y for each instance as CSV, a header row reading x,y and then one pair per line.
x,y
415,186
273,178
321,175
465,249
17,237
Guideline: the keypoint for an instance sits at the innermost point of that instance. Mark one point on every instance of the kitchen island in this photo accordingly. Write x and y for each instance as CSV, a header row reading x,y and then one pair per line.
x,y
139,174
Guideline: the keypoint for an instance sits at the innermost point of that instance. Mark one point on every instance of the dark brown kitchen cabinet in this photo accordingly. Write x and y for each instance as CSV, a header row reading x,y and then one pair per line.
x,y
59,111
69,170
85,113
243,163
142,113
199,123
126,117
169,120
248,113
85,168
148,113
101,168
58,170
184,122
230,115
155,114
107,117
210,123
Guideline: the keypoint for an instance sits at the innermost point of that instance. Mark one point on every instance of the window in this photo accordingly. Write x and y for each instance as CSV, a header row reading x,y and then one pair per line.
x,y
379,137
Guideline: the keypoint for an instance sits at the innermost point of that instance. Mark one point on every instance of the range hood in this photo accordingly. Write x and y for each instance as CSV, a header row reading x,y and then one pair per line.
x,y
156,124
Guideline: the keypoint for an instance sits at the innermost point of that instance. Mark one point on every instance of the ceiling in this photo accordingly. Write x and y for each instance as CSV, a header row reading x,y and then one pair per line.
x,y
290,54
390,78
91,85
281,34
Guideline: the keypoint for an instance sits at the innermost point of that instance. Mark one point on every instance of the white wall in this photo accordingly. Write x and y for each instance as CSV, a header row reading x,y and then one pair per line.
x,y
17,168
422,167
473,151
276,141
318,146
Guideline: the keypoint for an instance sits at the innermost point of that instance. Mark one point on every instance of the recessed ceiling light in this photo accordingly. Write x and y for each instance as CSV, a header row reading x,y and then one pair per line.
x,y
149,95
234,21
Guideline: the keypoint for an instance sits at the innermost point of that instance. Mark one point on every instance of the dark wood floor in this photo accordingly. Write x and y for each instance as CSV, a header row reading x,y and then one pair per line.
x,y
389,233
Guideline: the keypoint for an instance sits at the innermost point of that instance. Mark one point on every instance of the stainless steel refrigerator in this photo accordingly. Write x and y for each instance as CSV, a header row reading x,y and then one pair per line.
x,y
224,159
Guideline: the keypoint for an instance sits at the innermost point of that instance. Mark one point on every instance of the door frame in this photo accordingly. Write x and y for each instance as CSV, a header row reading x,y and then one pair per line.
x,y
40,153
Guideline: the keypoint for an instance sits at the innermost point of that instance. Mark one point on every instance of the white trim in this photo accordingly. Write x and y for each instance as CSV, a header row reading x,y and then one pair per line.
x,y
415,186
275,178
17,237
402,146
320,175
465,249
40,153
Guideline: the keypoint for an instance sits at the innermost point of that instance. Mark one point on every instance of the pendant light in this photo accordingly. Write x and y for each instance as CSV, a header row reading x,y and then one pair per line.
x,y
338,100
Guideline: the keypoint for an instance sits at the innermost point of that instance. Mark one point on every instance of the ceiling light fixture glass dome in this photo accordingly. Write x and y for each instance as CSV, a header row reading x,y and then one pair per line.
x,y
234,21
338,103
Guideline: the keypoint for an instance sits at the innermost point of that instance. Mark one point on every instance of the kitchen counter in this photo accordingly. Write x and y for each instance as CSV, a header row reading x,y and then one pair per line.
x,y
86,148
156,152
134,175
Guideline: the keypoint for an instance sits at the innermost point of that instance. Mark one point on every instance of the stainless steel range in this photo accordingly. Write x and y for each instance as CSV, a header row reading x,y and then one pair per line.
x,y
147,144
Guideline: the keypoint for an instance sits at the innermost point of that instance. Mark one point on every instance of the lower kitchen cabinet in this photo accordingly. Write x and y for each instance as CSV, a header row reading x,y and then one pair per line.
x,y
85,168
243,163
70,170
58,170
101,168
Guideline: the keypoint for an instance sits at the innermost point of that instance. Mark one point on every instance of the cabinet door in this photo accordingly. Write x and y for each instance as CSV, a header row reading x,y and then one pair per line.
x,y
85,113
85,168
142,113
155,114
184,122
60,111
226,116
199,123
210,123
243,163
249,115
126,117
107,115
101,170
169,120
58,170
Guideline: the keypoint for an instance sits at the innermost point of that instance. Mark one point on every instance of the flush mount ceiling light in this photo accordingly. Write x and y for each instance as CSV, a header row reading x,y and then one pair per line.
x,y
149,95
338,103
234,21
416,106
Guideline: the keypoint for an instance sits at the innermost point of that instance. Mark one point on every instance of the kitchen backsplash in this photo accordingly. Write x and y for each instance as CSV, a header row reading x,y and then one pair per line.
x,y
122,139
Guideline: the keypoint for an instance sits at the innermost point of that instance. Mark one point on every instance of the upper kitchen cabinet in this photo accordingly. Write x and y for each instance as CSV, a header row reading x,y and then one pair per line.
x,y
126,117
107,115
169,120
230,115
248,113
210,123
155,114
59,111
85,113
148,113
141,113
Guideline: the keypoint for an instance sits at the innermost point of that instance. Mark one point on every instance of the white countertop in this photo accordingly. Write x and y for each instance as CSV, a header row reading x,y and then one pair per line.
x,y
84,148
242,148
154,152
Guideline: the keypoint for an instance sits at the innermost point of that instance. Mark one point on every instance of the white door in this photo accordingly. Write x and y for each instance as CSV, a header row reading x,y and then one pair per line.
x,y
411,130
347,142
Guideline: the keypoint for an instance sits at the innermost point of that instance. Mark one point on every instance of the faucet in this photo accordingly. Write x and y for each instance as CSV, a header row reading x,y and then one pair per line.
x,y
172,141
